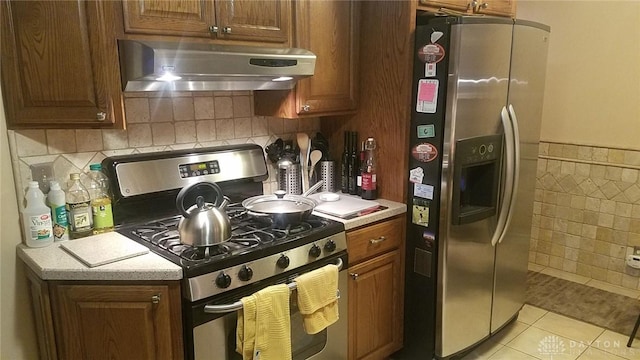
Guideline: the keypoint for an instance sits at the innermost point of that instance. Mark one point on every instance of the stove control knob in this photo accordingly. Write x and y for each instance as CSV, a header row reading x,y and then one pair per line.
x,y
330,246
315,251
223,280
245,273
283,261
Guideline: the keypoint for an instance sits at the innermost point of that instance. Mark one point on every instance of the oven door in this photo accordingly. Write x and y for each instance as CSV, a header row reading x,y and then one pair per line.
x,y
216,339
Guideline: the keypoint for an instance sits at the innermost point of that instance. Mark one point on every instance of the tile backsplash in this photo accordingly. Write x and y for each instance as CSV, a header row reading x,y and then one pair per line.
x,y
155,122
587,211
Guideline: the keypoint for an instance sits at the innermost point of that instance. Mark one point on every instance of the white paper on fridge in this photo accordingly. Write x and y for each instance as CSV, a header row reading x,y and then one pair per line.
x,y
427,96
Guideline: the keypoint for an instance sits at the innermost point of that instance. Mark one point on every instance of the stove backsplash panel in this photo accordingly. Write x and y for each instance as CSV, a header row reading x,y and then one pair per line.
x,y
155,122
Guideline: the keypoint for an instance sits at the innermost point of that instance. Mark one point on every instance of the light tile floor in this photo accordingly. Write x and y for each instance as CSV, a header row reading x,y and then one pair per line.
x,y
541,334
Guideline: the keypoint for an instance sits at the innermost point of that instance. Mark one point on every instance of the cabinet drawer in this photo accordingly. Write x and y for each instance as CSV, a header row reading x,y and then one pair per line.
x,y
374,240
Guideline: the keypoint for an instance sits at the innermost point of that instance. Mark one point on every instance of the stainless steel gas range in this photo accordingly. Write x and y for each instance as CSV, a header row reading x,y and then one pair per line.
x,y
259,254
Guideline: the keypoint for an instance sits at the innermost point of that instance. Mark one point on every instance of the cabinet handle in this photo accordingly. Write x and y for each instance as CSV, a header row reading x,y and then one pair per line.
x,y
378,240
306,108
354,276
101,116
213,29
155,299
472,5
226,30
484,5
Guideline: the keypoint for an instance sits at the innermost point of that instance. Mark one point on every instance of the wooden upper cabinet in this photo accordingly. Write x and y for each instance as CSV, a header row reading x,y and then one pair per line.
x,y
59,65
264,20
459,5
497,7
470,7
249,20
330,30
163,17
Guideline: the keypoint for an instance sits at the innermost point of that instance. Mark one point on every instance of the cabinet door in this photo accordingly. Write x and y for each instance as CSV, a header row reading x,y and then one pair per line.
x,y
497,7
164,17
59,65
330,30
375,307
118,322
262,21
460,5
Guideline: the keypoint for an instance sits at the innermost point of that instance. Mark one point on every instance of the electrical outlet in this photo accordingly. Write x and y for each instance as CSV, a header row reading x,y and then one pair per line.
x,y
42,173
636,250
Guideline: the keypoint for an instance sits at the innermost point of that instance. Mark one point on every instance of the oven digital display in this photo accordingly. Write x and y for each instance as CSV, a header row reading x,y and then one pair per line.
x,y
198,169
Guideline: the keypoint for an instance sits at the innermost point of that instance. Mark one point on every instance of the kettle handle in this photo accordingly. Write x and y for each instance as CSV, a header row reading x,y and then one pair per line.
x,y
181,195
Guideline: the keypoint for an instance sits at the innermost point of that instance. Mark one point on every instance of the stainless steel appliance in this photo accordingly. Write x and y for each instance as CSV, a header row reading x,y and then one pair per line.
x,y
257,255
189,66
478,84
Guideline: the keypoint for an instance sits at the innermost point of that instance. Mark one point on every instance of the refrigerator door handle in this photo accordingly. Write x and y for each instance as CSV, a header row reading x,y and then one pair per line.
x,y
516,174
508,186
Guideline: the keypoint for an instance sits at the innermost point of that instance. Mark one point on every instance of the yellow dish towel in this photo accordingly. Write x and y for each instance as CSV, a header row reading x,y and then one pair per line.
x,y
317,298
264,329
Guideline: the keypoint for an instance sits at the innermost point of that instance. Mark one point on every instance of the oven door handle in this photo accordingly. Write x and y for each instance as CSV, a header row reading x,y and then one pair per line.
x,y
220,309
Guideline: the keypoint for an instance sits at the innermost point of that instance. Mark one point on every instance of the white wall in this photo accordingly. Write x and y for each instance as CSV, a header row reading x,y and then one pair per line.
x,y
592,92
17,334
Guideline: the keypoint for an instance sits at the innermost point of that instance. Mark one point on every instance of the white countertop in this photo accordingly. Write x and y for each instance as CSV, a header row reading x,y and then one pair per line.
x,y
393,209
54,263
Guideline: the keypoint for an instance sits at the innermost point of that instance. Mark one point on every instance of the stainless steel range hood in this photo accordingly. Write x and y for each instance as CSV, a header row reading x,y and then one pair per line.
x,y
185,66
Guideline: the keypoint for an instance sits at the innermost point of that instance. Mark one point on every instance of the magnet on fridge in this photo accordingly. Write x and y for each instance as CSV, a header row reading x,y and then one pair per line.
x,y
424,152
430,69
423,191
420,212
427,95
416,175
431,53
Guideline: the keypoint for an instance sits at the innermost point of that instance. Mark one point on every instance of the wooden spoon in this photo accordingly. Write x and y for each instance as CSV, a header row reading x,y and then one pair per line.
x,y
303,144
315,156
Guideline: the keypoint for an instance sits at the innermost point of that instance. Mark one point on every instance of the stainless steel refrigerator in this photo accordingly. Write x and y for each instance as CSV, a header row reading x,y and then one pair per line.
x,y
477,103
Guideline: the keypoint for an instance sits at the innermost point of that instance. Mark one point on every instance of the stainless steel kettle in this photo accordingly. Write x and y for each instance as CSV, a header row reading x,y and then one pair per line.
x,y
203,224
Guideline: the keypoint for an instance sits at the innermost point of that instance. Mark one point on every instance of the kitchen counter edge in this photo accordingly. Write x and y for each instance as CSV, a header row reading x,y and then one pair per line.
x,y
53,263
392,209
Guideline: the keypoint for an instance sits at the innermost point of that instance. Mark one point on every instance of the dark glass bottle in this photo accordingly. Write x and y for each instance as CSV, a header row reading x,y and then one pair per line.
x,y
353,163
369,186
345,164
360,171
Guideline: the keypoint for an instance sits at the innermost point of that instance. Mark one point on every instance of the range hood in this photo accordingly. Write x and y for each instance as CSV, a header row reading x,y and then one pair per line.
x,y
185,66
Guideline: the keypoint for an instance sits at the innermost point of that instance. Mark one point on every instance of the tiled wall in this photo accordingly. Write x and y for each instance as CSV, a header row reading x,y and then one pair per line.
x,y
155,122
587,211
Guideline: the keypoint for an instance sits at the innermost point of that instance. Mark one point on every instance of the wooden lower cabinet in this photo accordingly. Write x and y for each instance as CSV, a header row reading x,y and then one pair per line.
x,y
104,321
376,291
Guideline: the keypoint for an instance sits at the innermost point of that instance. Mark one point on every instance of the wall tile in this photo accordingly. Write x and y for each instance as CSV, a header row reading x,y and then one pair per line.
x,y
161,109
632,157
31,142
114,139
225,129
600,154
136,110
242,106
585,153
89,140
163,133
616,156
629,175
206,130
185,132
223,107
242,127
570,151
61,141
139,135
555,150
204,108
183,109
